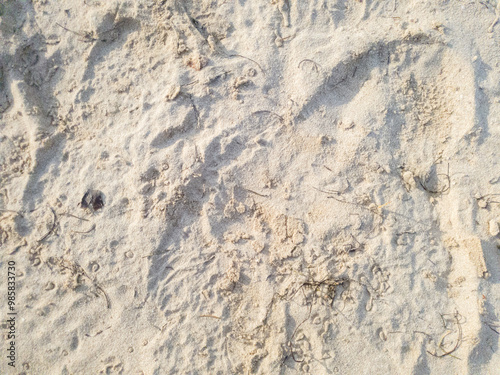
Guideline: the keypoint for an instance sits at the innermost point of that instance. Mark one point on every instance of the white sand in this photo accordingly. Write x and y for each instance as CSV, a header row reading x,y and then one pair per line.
x,y
289,186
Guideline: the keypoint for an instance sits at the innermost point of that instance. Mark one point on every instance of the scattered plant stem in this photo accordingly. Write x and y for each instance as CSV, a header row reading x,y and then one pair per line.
x,y
443,190
269,112
248,58
77,269
345,201
456,316
85,232
53,227
76,217
316,66
87,36
495,327
254,192
210,316
98,332
108,302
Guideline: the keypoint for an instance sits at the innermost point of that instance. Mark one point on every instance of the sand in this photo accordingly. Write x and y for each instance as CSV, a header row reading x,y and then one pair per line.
x,y
250,187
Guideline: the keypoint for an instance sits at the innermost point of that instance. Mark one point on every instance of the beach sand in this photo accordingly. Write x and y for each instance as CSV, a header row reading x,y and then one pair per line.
x,y
250,186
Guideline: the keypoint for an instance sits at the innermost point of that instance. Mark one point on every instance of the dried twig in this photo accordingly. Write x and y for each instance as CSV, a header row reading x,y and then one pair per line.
x,y
195,109
190,83
497,17
108,301
315,285
487,198
316,66
85,232
295,331
345,201
342,80
98,332
444,189
423,333
244,57
330,283
325,191
87,36
496,326
458,342
270,112
76,217
52,228
210,316
77,269
254,192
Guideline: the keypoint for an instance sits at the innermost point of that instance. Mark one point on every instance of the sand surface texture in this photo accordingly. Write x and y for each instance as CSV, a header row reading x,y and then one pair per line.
x,y
251,186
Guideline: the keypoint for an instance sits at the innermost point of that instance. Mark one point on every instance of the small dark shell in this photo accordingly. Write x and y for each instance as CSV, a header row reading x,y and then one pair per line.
x,y
93,199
